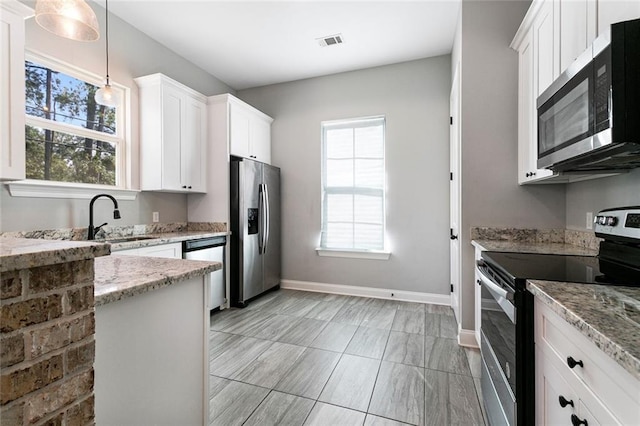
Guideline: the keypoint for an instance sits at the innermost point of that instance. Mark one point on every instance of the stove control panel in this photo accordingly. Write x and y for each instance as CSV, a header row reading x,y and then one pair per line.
x,y
619,222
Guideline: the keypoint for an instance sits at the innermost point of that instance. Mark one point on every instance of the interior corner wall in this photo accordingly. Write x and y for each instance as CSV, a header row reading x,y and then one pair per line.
x,y
414,98
131,54
491,195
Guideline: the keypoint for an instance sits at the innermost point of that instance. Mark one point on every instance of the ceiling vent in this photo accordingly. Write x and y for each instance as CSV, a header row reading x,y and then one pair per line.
x,y
330,40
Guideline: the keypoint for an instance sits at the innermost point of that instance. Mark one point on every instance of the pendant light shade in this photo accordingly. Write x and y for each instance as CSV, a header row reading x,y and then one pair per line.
x,y
106,95
73,19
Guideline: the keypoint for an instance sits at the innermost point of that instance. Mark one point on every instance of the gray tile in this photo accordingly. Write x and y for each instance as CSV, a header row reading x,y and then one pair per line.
x,y
409,322
310,373
351,383
222,319
351,314
220,342
439,309
237,356
436,398
445,355
478,385
432,325
248,322
281,409
303,332
410,306
325,414
325,310
270,366
334,337
368,342
272,328
371,302
448,327
216,384
234,403
463,401
405,348
372,420
299,307
261,301
475,360
399,393
379,318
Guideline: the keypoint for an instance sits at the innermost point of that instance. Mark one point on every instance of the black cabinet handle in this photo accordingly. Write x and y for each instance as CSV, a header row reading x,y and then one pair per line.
x,y
564,402
527,174
572,362
189,187
577,421
479,282
184,186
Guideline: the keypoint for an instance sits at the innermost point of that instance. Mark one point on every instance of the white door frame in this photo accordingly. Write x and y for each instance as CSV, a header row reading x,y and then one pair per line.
x,y
454,195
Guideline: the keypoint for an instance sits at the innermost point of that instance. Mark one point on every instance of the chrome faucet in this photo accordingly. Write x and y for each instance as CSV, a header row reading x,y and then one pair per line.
x,y
116,215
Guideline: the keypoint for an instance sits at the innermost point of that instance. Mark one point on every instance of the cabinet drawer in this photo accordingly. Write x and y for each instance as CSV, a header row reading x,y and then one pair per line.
x,y
609,382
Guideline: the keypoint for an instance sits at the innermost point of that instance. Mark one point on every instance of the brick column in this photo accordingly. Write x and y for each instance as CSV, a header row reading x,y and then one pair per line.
x,y
47,345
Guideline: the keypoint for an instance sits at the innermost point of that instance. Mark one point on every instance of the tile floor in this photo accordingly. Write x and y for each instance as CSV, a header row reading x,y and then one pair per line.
x,y
294,358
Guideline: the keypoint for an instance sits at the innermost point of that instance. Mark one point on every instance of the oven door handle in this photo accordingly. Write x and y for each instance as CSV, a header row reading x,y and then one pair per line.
x,y
499,294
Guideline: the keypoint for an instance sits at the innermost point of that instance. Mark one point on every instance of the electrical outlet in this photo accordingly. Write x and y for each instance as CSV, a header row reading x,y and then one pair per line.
x,y
589,220
156,217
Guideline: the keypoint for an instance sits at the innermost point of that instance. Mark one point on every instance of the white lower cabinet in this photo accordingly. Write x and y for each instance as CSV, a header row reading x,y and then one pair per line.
x,y
171,251
577,383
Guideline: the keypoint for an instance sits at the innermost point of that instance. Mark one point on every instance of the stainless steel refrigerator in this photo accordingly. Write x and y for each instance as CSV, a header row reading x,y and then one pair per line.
x,y
255,229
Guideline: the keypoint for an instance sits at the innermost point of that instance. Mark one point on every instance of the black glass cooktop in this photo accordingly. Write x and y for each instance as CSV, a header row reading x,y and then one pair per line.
x,y
518,267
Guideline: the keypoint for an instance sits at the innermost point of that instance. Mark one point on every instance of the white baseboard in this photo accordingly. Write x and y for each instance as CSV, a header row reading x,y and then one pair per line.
x,y
467,338
378,293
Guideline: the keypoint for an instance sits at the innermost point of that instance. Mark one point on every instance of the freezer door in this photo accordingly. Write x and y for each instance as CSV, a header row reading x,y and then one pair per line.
x,y
252,269
271,257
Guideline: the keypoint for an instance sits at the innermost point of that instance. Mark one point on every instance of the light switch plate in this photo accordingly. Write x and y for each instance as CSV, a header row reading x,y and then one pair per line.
x,y
589,220
156,217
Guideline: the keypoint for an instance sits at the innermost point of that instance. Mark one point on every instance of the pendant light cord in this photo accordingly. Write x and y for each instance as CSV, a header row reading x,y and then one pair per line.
x,y
106,3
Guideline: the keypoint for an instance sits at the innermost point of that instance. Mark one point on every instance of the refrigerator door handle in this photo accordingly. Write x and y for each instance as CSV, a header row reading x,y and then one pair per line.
x,y
261,220
267,218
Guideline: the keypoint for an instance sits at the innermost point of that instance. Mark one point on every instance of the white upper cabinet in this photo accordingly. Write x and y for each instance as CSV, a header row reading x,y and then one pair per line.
x,y
173,132
612,11
249,131
577,29
546,49
12,87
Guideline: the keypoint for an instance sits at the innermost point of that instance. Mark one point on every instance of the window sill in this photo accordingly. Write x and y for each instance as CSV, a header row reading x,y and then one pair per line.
x,y
354,254
42,189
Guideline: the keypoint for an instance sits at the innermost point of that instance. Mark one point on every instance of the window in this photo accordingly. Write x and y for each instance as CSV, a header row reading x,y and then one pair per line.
x,y
353,185
70,138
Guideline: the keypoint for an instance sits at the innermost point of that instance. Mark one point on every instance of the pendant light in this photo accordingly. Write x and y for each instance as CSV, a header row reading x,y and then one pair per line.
x,y
73,19
105,95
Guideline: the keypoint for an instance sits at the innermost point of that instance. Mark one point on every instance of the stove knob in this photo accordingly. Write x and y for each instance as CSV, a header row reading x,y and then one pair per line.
x,y
612,221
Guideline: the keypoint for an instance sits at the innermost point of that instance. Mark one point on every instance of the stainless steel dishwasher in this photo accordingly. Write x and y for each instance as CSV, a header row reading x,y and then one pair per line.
x,y
210,249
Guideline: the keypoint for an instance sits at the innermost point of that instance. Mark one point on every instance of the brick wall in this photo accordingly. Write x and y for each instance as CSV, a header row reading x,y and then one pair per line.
x,y
47,345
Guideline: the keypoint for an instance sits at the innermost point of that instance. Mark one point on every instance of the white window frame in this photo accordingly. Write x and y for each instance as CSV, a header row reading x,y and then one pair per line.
x,y
383,254
121,139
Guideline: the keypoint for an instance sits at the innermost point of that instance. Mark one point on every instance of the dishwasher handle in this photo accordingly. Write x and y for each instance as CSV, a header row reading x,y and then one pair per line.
x,y
203,243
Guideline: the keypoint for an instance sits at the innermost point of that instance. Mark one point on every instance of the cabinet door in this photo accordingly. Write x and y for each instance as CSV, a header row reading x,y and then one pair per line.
x,y
172,119
526,107
240,131
545,48
612,11
193,146
574,28
12,143
550,386
172,251
261,140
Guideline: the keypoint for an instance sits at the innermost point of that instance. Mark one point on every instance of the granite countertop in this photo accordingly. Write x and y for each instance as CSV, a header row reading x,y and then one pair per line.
x,y
162,238
533,247
609,316
21,253
120,277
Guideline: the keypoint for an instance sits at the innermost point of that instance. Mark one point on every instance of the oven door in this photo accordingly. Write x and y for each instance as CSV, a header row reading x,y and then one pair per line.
x,y
498,346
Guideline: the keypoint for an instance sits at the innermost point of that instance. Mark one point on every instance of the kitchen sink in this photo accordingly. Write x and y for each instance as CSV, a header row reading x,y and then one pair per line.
x,y
128,239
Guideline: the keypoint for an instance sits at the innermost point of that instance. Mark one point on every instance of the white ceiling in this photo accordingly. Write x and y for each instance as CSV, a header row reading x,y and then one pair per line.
x,y
250,44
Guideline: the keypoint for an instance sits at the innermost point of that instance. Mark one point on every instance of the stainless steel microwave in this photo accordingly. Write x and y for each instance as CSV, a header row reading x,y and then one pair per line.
x,y
589,118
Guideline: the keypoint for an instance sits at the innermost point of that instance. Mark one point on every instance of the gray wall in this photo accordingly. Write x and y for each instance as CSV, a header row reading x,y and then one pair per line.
x,y
414,97
131,54
491,195
595,195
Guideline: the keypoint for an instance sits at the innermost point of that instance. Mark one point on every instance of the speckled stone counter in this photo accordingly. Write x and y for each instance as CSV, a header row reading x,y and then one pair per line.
x,y
23,253
164,238
120,277
534,247
609,316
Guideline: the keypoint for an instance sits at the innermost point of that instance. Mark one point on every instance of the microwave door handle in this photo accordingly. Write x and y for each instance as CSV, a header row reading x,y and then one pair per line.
x,y
499,294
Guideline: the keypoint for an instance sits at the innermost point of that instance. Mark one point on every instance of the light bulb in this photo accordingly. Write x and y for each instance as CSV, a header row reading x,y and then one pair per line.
x,y
106,96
